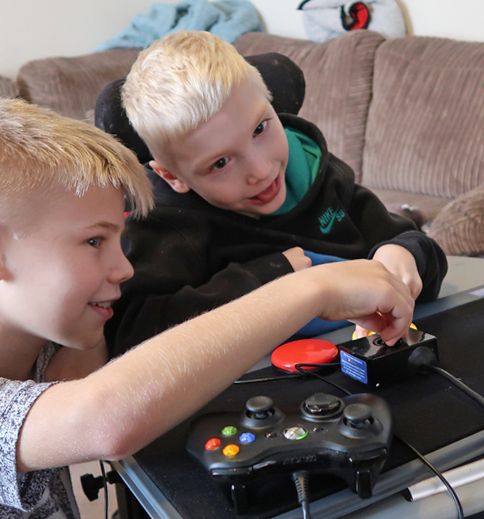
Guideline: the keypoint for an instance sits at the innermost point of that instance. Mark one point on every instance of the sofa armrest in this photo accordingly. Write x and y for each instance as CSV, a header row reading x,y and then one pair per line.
x,y
70,85
459,226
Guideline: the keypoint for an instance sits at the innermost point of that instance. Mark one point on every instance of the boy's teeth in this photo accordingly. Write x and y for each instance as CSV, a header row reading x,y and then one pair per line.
x,y
102,305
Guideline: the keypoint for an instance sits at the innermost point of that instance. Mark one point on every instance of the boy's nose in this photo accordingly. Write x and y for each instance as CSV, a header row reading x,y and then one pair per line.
x,y
258,170
122,270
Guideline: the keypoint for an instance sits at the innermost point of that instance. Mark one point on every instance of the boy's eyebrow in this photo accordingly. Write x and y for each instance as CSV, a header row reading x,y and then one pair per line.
x,y
106,225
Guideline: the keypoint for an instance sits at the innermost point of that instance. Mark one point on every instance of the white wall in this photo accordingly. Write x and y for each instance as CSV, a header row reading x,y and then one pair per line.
x,y
32,29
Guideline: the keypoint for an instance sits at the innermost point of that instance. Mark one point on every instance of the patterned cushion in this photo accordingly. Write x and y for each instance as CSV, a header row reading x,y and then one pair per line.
x,y
459,227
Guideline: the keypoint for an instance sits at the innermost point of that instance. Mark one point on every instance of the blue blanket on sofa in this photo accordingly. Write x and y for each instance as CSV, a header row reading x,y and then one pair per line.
x,y
227,19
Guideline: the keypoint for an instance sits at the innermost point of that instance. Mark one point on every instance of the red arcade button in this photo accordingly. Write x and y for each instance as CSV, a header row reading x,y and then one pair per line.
x,y
304,351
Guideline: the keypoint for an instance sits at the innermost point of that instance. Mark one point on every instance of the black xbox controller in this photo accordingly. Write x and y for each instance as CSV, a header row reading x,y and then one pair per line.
x,y
348,437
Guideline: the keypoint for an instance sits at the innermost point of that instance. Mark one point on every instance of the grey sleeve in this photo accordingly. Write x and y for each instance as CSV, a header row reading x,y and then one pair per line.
x,y
17,490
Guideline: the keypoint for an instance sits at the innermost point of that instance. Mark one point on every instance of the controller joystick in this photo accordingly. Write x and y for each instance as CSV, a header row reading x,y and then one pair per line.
x,y
359,422
260,412
358,416
348,437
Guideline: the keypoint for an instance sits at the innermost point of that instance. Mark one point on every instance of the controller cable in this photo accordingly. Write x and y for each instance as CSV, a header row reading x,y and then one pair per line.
x,y
424,359
285,376
301,479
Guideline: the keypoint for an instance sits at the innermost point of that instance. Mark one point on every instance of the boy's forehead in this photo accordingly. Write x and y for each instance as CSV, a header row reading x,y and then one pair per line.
x,y
61,207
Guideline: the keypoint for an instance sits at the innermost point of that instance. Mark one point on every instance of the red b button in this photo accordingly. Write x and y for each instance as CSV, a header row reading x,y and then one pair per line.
x,y
213,444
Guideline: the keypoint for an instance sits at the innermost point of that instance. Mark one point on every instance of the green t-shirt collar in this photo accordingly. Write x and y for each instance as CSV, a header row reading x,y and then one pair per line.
x,y
302,168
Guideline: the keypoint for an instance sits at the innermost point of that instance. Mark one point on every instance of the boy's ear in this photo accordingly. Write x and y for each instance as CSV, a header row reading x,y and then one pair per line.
x,y
175,183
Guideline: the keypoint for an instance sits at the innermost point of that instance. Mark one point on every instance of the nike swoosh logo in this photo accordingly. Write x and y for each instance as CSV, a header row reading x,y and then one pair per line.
x,y
326,229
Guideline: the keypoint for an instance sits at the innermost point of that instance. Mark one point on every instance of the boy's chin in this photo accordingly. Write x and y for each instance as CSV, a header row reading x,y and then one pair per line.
x,y
85,344
266,209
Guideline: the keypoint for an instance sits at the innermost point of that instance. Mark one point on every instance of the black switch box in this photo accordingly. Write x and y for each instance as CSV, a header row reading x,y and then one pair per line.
x,y
370,361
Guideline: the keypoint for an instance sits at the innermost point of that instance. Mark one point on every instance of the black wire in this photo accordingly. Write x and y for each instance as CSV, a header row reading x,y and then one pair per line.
x,y
266,379
300,479
284,376
448,486
300,369
105,487
458,383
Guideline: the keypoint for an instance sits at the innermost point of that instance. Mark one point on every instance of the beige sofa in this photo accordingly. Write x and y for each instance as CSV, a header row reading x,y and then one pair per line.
x,y
407,114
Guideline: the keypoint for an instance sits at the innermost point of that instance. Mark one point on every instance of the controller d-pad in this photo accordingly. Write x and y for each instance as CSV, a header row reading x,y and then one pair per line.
x,y
321,406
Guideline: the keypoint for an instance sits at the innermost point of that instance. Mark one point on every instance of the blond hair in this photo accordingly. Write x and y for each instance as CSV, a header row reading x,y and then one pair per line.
x,y
41,150
181,81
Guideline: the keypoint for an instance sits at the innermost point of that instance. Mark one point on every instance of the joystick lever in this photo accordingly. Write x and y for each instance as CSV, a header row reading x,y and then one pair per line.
x,y
358,416
261,412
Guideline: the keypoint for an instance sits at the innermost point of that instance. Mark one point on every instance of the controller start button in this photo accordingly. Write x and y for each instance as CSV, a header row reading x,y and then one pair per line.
x,y
295,433
228,430
213,444
231,450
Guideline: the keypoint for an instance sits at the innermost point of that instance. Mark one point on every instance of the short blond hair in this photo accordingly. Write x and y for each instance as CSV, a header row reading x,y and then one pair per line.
x,y
42,150
179,82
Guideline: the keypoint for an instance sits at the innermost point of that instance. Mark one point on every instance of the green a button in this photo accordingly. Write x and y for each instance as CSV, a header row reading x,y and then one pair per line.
x,y
229,430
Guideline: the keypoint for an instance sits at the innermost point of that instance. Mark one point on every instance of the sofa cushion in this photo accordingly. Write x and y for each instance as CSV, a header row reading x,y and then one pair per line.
x,y
426,122
7,87
70,85
426,206
338,77
459,227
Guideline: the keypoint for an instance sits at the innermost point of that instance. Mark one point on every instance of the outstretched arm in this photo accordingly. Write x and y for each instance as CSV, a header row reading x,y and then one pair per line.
x,y
125,405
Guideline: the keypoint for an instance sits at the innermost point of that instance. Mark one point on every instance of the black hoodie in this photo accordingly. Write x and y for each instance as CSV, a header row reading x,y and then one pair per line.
x,y
190,257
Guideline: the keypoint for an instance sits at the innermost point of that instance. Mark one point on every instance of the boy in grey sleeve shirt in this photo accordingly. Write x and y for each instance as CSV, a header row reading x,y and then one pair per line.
x,y
63,185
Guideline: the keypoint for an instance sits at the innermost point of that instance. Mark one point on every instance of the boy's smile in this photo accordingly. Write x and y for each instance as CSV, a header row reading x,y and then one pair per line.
x,y
237,159
267,195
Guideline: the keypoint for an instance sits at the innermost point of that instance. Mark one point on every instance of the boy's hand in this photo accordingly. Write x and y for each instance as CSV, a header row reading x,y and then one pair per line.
x,y
367,294
297,259
400,262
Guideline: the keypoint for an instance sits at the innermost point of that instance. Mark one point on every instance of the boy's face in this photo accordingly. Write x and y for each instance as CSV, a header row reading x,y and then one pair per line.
x,y
62,272
237,159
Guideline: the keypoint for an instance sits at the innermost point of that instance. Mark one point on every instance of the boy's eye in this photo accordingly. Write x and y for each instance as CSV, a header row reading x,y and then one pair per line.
x,y
220,163
260,128
94,242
